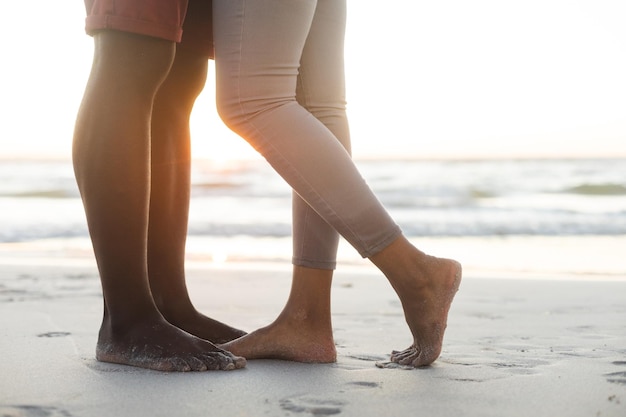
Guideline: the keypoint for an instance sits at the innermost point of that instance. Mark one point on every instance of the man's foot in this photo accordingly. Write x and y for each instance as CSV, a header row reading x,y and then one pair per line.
x,y
426,300
202,326
287,339
161,346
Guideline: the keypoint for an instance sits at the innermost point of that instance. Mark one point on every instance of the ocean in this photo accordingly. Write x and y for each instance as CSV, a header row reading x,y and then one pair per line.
x,y
241,210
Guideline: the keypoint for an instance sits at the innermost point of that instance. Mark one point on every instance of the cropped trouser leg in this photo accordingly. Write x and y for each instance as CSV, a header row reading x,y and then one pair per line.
x,y
259,45
321,89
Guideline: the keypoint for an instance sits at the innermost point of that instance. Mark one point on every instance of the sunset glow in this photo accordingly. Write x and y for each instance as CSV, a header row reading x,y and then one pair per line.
x,y
427,79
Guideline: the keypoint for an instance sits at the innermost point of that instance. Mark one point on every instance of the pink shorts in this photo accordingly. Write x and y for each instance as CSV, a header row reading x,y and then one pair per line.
x,y
188,22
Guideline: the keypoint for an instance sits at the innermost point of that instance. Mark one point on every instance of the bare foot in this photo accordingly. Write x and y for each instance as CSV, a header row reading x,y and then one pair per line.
x,y
202,326
161,346
426,300
286,339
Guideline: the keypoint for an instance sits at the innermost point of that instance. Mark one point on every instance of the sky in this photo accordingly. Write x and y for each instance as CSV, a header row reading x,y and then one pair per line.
x,y
425,79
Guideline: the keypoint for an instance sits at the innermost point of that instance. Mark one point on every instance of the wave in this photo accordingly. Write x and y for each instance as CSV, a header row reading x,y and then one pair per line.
x,y
438,228
598,189
489,198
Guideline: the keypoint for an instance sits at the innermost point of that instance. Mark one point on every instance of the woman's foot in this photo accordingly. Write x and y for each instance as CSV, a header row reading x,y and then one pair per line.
x,y
426,287
426,311
289,340
303,331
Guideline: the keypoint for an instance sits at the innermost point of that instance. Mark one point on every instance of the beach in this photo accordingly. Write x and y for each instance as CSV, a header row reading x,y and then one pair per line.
x,y
503,148
538,327
542,344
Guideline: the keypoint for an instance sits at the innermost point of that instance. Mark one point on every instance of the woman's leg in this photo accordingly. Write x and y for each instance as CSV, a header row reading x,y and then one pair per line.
x,y
303,331
258,48
321,91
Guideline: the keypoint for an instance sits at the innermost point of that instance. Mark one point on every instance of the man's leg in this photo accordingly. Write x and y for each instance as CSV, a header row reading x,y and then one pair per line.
x,y
169,198
112,166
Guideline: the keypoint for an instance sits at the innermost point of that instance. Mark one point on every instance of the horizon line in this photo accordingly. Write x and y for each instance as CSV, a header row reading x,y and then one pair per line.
x,y
58,157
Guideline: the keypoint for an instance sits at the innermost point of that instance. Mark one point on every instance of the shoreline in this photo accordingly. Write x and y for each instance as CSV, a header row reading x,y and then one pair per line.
x,y
592,258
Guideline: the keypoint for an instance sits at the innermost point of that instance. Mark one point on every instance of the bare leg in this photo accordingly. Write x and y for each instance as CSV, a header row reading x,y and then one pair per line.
x,y
169,198
112,167
426,286
303,330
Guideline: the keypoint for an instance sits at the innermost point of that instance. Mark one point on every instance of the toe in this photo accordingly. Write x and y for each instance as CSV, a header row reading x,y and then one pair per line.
x,y
239,361
397,355
217,361
407,356
175,365
196,364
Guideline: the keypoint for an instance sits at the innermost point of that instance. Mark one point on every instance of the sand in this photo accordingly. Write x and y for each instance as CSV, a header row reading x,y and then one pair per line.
x,y
514,347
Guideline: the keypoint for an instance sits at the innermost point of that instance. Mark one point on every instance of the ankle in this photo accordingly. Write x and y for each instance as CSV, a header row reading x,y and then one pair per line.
x,y
302,321
181,309
118,328
399,259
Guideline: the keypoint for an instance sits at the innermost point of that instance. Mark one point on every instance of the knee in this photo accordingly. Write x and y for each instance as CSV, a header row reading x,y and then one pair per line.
x,y
133,63
239,105
229,105
183,84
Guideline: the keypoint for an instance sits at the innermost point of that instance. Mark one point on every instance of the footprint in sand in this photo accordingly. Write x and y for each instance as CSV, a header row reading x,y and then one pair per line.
x,y
312,405
322,406
54,334
364,384
617,377
32,411
368,358
393,365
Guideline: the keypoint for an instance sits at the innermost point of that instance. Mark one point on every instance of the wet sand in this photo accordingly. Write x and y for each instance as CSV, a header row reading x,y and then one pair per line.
x,y
514,347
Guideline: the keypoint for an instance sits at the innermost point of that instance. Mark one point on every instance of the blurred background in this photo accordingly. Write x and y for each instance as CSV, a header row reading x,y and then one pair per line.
x,y
493,131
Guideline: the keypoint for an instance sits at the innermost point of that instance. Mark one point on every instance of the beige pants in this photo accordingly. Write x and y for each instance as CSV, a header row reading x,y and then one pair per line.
x,y
280,85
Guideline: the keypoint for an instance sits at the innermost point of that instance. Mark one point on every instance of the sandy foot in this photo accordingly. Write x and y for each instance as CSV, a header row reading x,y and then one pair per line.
x,y
290,341
204,327
426,304
163,347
